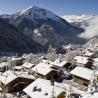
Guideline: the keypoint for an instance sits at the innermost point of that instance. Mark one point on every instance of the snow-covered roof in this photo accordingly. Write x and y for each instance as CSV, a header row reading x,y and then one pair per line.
x,y
18,67
88,53
10,75
46,61
3,64
46,89
81,59
15,59
24,75
43,68
28,65
7,77
59,63
82,72
95,95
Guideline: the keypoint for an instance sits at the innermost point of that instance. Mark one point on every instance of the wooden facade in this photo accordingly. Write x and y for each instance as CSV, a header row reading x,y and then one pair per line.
x,y
48,76
86,65
66,66
17,62
80,80
16,85
62,95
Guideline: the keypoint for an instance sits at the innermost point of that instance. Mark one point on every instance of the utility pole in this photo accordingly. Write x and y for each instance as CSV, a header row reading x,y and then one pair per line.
x,y
69,91
52,83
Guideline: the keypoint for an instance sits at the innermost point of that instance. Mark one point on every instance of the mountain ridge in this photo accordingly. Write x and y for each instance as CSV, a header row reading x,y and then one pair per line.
x,y
44,28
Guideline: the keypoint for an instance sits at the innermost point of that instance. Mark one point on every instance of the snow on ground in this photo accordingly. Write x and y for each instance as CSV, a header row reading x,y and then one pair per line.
x,y
37,32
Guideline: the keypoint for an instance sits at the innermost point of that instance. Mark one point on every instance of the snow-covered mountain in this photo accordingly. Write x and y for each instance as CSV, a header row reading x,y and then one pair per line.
x,y
77,18
88,22
33,13
45,27
13,41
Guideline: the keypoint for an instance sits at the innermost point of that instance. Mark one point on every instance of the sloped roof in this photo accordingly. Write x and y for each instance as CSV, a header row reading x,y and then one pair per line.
x,y
82,72
45,87
81,59
28,65
10,75
42,68
59,63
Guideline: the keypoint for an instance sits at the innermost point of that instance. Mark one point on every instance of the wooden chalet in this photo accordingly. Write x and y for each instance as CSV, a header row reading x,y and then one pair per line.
x,y
11,81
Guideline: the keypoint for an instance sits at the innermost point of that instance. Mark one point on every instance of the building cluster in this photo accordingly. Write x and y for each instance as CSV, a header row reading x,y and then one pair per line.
x,y
50,79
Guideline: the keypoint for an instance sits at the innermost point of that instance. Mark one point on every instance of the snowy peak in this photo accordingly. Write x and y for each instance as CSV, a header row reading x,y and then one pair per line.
x,y
24,11
77,18
35,13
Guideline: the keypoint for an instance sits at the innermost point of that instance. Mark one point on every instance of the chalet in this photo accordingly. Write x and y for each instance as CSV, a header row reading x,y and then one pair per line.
x,y
46,61
88,53
28,66
43,70
3,66
82,75
83,61
57,64
17,61
14,81
18,68
41,88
